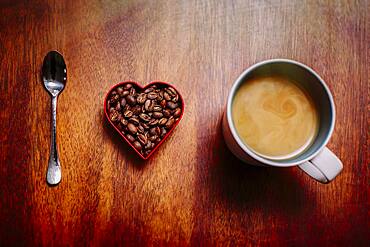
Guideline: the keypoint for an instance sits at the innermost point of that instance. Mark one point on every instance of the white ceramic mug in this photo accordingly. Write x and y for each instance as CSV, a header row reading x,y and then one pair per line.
x,y
317,160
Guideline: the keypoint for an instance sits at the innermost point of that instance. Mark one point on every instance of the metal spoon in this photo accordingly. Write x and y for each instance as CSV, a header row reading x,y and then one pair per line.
x,y
54,75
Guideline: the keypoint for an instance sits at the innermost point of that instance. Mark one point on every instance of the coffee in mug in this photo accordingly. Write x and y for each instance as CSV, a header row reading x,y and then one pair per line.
x,y
275,117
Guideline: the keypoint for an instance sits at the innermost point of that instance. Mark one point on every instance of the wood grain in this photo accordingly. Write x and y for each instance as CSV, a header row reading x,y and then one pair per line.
x,y
192,191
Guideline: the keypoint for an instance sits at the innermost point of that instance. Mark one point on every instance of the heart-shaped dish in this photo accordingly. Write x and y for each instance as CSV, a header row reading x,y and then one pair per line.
x,y
144,116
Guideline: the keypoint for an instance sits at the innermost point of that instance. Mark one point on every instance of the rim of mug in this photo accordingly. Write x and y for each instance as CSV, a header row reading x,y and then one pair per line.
x,y
248,150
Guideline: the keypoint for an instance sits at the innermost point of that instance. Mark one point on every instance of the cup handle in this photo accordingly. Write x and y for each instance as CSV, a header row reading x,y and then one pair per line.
x,y
324,167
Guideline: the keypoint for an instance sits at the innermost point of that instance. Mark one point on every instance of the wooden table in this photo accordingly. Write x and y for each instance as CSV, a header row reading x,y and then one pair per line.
x,y
193,191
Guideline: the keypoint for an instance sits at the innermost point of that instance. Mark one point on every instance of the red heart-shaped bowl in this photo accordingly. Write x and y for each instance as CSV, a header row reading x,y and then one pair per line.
x,y
119,127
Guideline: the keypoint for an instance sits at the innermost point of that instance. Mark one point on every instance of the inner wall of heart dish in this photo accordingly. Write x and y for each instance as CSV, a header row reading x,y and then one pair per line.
x,y
144,115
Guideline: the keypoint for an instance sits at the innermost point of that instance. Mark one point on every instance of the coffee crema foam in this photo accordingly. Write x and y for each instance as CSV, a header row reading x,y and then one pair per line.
x,y
274,117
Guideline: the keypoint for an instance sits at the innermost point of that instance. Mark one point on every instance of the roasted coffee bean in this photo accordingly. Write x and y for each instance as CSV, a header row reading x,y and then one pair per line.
x,y
177,112
118,106
149,105
124,121
171,91
152,95
155,131
157,115
163,132
123,102
113,93
163,103
128,114
134,120
127,86
132,128
111,109
127,107
171,105
170,122
140,129
150,114
166,113
153,138
149,145
142,139
115,98
157,108
144,117
162,121
132,91
141,98
148,90
130,138
166,96
145,126
131,100
153,122
136,110
125,93
137,145
175,99
160,95
114,116
120,91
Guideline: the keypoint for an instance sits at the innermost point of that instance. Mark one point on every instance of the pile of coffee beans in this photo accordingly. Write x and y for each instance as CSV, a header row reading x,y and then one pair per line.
x,y
144,116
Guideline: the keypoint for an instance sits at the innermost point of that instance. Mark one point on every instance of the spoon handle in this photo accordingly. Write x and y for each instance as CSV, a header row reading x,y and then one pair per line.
x,y
54,173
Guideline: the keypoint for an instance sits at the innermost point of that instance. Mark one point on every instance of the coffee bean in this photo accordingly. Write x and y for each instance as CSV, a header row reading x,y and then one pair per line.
x,y
171,105
155,131
131,100
142,139
136,110
137,145
144,117
112,109
153,138
120,91
140,129
160,95
127,86
125,93
175,99
177,112
171,91
115,98
130,138
157,108
157,115
170,122
134,120
123,102
166,113
113,93
148,90
127,114
149,145
162,121
127,107
163,132
132,91
152,95
124,122
141,98
149,105
153,122
145,125
114,116
163,103
118,106
166,96
132,128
